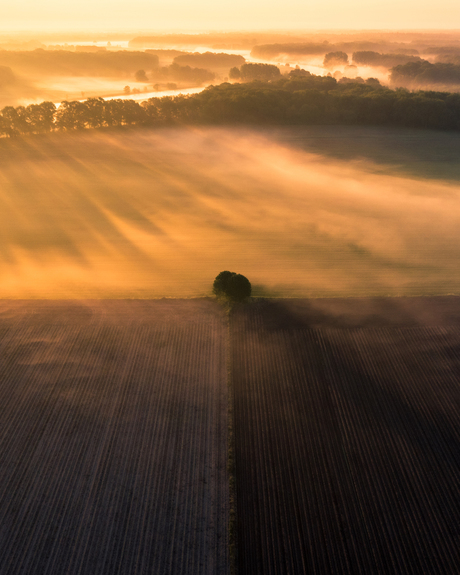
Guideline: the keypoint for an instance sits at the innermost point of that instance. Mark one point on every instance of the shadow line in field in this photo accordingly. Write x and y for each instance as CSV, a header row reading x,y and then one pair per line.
x,y
428,154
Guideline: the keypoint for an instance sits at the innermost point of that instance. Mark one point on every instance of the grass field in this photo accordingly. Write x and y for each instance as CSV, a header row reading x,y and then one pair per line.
x,y
113,438
302,212
347,438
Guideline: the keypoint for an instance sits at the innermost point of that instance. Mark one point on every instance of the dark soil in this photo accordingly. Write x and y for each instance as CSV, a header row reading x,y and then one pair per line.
x,y
346,436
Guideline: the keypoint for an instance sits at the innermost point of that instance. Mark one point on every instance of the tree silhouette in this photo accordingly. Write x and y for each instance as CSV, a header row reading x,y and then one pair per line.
x,y
234,73
263,72
296,99
141,76
335,59
232,285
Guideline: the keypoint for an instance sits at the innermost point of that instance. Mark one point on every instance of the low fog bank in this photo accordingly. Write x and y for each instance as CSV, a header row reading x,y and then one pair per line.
x,y
404,152
61,74
153,214
386,56
56,75
61,66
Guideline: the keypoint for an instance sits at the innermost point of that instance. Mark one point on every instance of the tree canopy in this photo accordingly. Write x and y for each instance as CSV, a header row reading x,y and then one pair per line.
x,y
232,285
370,58
335,59
210,60
295,99
425,73
122,63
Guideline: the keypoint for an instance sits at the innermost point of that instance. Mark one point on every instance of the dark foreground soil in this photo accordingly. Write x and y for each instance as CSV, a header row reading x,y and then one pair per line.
x,y
113,438
347,436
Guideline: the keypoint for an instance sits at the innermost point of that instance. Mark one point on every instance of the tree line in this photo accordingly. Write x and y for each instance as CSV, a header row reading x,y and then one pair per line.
x,y
273,51
370,58
66,63
423,73
177,73
298,99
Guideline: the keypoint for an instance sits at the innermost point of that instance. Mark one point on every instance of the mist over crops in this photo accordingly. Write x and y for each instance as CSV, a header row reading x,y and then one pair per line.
x,y
153,214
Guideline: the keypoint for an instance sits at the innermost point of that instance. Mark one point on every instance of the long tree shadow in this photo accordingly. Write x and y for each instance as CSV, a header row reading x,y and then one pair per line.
x,y
421,153
373,402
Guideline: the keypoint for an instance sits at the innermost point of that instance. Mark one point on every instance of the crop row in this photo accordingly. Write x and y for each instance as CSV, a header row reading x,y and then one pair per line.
x,y
113,442
113,448
347,449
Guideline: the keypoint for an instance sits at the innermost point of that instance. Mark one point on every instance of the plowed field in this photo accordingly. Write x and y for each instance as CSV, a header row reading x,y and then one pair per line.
x,y
113,438
347,437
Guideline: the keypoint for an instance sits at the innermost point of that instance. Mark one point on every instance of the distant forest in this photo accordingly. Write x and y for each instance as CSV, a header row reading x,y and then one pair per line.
x,y
297,99
369,58
66,63
210,60
412,74
273,51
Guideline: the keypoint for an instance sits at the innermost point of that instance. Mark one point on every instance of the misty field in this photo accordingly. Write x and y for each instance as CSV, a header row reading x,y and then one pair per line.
x,y
320,211
346,436
113,438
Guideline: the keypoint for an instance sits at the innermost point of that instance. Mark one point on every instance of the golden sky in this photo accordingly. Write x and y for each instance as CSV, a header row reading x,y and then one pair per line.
x,y
185,15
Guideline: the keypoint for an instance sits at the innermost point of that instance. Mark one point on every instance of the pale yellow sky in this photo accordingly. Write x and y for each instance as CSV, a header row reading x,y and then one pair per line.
x,y
186,15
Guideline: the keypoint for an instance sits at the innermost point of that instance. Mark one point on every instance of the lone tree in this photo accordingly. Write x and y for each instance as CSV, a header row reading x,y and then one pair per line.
x,y
232,285
335,59
141,76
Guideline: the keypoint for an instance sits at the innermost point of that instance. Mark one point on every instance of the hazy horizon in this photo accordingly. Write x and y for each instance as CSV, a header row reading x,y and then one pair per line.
x,y
177,15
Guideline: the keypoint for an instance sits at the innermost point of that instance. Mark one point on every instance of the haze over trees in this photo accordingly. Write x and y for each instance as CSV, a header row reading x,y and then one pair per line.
x,y
221,40
184,74
273,51
335,59
210,60
6,76
66,63
74,69
250,71
370,58
141,76
292,100
165,56
423,73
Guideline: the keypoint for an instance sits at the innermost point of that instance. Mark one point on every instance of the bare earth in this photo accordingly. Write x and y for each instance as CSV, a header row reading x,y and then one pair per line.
x,y
347,436
113,438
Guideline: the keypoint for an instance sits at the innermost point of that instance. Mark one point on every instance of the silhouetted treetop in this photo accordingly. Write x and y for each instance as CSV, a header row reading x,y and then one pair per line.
x,y
141,76
335,59
232,285
67,63
424,73
272,51
250,71
210,60
369,58
187,74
